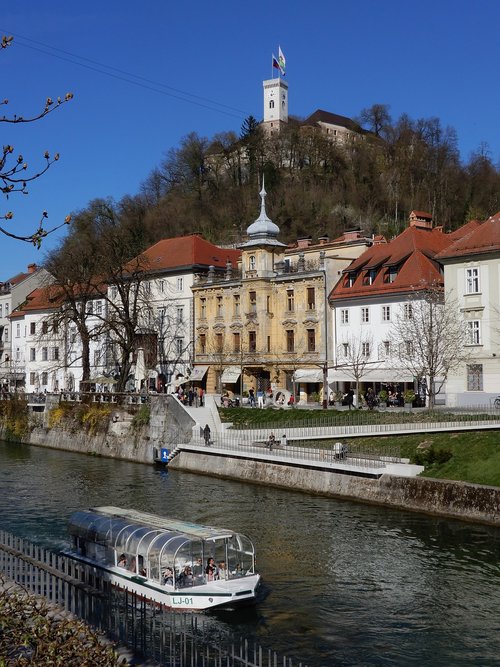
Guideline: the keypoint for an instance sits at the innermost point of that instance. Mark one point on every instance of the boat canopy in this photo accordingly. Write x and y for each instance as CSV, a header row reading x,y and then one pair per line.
x,y
153,543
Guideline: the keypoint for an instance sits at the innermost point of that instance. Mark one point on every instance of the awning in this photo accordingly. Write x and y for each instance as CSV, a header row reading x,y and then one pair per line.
x,y
308,375
198,373
231,374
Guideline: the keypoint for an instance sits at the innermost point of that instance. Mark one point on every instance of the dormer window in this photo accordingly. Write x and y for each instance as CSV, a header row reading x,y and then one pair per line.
x,y
391,274
369,277
351,279
251,263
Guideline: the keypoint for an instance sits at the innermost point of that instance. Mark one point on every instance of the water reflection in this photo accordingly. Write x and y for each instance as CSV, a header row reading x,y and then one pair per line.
x,y
349,584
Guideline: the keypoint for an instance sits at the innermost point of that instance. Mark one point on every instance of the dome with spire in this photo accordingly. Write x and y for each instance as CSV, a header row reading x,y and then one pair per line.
x,y
263,231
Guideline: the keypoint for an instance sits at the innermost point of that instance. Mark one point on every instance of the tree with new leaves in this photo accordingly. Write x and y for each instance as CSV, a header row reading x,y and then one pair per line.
x,y
15,174
429,337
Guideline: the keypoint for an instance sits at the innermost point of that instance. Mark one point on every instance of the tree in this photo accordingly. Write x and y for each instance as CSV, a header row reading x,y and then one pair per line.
x,y
353,355
428,338
14,172
377,118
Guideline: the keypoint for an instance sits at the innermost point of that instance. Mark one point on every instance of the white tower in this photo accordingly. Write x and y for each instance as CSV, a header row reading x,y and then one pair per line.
x,y
275,104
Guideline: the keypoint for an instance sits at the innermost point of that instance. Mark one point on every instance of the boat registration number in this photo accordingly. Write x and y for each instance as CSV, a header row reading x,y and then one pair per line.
x,y
181,600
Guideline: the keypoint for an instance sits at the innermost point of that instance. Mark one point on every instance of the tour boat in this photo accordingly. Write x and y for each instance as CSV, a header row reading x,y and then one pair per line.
x,y
180,565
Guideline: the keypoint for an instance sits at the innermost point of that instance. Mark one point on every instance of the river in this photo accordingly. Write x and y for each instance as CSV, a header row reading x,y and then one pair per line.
x,y
348,584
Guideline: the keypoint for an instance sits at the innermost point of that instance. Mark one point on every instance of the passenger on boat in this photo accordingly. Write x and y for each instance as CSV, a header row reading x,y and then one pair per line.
x,y
142,569
198,569
186,577
222,570
168,577
132,565
211,570
122,561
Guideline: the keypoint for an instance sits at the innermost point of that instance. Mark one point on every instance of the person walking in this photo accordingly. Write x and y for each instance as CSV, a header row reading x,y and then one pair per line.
x,y
260,398
201,396
283,441
251,397
206,435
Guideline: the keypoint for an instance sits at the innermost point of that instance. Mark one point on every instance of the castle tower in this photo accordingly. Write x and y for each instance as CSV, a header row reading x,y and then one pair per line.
x,y
275,104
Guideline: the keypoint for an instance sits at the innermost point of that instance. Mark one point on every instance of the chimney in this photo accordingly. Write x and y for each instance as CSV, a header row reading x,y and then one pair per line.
x,y
352,235
420,219
304,242
32,268
323,239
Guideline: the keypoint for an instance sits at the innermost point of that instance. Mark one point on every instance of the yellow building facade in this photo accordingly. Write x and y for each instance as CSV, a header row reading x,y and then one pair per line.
x,y
266,324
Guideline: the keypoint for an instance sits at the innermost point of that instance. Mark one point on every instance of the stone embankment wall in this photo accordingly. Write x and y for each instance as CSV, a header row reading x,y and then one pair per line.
x,y
168,425
459,500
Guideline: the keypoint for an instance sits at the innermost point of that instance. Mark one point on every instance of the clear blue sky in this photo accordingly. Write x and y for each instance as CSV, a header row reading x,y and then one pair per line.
x,y
428,59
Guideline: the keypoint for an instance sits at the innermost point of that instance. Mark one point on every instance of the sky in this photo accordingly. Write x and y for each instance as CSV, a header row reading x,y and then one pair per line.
x,y
145,75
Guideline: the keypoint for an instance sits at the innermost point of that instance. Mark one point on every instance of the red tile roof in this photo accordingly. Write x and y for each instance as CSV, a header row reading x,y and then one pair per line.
x,y
411,254
41,298
187,251
482,238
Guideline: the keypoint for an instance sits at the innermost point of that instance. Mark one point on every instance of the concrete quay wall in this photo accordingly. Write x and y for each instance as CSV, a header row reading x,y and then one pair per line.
x,y
458,500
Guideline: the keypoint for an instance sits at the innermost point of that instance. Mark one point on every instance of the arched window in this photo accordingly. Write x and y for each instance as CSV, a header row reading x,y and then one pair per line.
x,y
251,263
271,104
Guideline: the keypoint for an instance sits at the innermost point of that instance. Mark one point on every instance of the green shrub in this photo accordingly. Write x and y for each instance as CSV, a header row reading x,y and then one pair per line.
x,y
141,418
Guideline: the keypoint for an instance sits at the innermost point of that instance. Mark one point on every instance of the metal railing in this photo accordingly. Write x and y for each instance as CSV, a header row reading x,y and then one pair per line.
x,y
254,444
170,638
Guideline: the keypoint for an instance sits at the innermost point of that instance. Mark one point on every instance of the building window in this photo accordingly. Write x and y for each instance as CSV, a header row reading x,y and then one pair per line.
x,y
32,328
351,279
161,286
408,311
386,347
236,342
386,313
18,355
114,293
252,296
6,309
180,284
290,300
219,307
98,307
6,335
18,330
90,307
290,340
45,354
271,104
365,315
311,298
1,310
236,305
408,348
268,304
391,274
474,332
369,277
344,316
252,341
180,314
472,281
54,354
345,349
45,379
45,327
32,378
203,308
55,327
269,343
474,377
311,340
32,354
365,349
203,343
179,346
251,263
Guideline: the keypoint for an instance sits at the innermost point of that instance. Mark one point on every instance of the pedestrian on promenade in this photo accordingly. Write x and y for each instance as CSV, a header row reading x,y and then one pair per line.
x,y
206,435
260,398
251,397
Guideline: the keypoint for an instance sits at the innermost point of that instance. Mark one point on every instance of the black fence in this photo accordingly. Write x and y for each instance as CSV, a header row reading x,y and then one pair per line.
x,y
168,638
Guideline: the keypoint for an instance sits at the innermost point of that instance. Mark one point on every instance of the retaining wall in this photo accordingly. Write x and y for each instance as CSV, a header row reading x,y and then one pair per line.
x,y
459,500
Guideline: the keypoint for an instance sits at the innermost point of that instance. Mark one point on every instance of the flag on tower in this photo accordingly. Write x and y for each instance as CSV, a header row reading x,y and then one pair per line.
x,y
281,61
276,63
